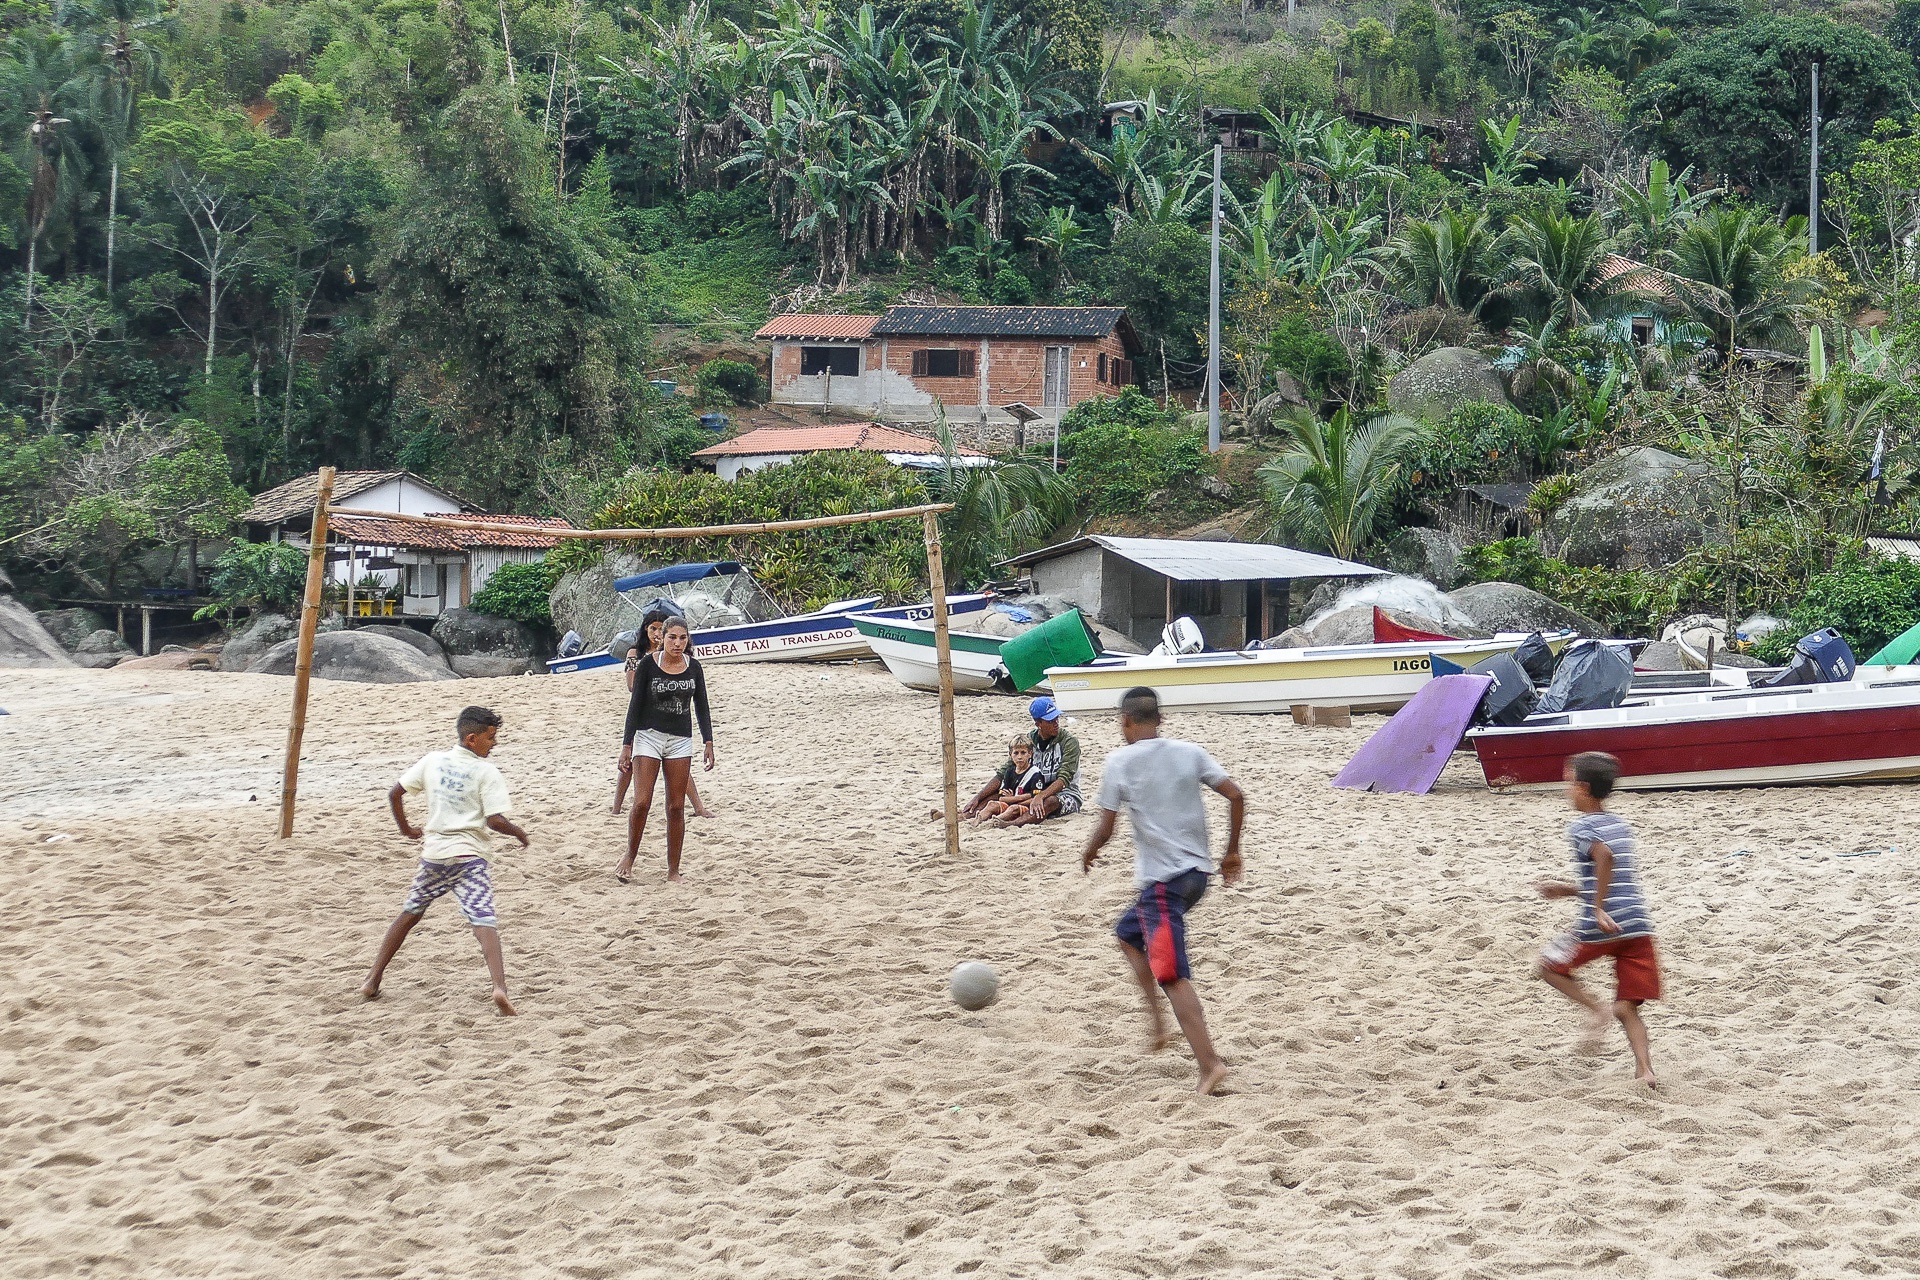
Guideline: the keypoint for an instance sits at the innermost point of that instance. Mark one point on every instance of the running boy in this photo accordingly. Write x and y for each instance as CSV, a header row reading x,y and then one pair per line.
x,y
466,798
1157,781
1613,918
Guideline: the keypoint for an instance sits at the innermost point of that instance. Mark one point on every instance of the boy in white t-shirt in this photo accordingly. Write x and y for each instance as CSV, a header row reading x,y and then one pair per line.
x,y
1157,782
466,798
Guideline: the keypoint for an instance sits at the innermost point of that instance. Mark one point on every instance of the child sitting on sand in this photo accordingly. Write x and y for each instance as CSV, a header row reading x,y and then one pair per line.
x,y
1017,779
466,798
1613,917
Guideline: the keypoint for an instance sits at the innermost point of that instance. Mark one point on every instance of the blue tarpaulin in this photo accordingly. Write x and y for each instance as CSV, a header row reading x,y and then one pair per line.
x,y
676,573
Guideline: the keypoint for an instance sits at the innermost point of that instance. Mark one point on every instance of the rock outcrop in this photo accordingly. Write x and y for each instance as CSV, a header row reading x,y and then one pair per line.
x,y
104,648
23,641
1355,626
407,635
356,656
466,633
261,633
1433,554
1640,508
1441,381
1507,606
71,626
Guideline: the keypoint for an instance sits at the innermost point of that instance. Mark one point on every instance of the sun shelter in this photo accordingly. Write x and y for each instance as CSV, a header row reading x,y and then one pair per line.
x,y
1237,592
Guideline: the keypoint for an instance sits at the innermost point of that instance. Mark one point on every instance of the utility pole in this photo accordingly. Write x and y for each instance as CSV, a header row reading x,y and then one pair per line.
x,y
1213,319
1813,173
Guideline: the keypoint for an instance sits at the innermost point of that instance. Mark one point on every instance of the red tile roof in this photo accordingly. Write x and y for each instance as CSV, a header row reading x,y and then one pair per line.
x,y
869,437
818,326
1637,276
426,537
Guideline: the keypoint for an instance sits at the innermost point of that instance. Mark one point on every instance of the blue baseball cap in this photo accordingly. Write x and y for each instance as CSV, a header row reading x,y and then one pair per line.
x,y
1043,709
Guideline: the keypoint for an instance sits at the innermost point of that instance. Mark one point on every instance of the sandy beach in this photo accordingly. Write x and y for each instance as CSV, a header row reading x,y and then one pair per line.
x,y
758,1073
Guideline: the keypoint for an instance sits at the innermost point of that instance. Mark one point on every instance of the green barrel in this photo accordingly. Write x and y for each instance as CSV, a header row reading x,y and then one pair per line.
x,y
1064,640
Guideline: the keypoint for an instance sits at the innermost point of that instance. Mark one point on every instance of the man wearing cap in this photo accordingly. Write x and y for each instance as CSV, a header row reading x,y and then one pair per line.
x,y
1056,753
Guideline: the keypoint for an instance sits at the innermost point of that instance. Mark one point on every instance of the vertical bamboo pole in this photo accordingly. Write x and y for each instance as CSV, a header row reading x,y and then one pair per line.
x,y
303,663
943,649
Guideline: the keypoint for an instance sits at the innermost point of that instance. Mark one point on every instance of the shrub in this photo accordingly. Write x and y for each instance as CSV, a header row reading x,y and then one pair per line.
x,y
1477,442
257,575
518,592
1121,448
1867,599
728,382
1011,288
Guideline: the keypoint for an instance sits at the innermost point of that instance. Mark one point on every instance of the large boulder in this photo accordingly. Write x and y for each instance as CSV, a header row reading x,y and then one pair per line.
x,y
104,648
261,633
172,658
1354,625
1508,606
1640,508
1433,554
24,642
481,667
466,633
70,626
355,656
407,635
1409,597
1441,381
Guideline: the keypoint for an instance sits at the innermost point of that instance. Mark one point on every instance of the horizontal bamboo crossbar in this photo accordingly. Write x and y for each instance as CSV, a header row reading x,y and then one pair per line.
x,y
647,535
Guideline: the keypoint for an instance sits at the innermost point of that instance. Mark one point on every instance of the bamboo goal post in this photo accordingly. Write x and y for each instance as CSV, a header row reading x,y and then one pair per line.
x,y
929,514
303,661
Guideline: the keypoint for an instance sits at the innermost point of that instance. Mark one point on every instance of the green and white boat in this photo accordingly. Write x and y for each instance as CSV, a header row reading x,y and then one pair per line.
x,y
907,649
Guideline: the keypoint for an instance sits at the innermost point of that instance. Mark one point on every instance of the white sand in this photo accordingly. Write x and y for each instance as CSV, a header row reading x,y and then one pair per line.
x,y
758,1073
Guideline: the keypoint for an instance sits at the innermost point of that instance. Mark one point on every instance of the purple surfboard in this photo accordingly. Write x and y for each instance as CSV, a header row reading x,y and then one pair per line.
x,y
1411,749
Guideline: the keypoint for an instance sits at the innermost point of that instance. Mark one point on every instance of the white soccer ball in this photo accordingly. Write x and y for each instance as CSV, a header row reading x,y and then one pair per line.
x,y
974,984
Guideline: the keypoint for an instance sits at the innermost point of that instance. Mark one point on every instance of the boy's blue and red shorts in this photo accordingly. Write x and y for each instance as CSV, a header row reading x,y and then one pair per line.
x,y
1157,923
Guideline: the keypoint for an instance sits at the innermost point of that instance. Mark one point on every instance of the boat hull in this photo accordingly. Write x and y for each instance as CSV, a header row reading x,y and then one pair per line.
x,y
809,637
908,650
1830,733
1373,677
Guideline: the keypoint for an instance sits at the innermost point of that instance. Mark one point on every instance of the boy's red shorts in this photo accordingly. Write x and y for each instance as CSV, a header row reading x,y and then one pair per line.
x,y
1636,967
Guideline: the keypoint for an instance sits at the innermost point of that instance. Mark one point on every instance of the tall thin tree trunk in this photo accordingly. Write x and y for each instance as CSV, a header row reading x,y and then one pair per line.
x,y
507,40
33,258
113,217
213,319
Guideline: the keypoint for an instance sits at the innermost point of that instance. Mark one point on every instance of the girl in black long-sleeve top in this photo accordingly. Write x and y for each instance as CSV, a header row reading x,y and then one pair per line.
x,y
649,640
669,692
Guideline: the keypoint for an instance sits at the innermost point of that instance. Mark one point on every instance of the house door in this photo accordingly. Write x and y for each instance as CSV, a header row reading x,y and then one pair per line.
x,y
1053,392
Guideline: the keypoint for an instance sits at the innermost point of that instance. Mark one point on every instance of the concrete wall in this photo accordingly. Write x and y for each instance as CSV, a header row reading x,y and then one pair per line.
x,y
1133,600
1078,577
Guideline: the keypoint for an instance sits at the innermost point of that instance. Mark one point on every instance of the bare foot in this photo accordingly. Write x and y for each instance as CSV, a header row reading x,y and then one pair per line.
x,y
672,876
1211,1079
371,991
504,1005
624,872
1158,1041
1646,1081
705,813
617,809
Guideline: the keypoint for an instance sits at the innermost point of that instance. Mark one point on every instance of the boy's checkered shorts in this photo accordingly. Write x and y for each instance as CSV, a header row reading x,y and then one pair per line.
x,y
468,882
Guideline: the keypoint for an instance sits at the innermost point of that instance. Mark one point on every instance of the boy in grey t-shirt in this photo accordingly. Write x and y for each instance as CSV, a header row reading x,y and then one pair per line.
x,y
1157,782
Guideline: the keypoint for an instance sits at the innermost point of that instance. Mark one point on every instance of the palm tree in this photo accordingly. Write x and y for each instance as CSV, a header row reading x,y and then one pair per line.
x,y
1447,262
1729,271
998,508
1336,482
1651,218
124,71
1557,259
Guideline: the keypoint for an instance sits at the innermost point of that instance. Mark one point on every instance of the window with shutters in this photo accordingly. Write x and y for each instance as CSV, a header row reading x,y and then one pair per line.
x,y
943,362
1103,367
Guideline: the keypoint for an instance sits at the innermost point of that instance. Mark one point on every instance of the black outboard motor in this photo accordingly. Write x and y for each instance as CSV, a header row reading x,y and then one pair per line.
x,y
1821,658
1536,658
1512,695
1591,675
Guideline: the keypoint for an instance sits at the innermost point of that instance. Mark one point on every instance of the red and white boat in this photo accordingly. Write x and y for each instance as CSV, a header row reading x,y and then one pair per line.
x,y
1864,729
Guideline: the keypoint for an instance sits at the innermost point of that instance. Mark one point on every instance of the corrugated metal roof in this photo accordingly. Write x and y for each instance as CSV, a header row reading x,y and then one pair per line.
x,y
1186,560
868,437
1001,322
426,537
1897,548
801,325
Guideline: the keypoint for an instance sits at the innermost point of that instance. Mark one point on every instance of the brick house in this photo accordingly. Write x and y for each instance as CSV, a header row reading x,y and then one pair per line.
x,y
974,362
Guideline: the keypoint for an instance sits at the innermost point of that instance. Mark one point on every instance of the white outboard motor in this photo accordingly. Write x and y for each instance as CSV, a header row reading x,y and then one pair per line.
x,y
1182,635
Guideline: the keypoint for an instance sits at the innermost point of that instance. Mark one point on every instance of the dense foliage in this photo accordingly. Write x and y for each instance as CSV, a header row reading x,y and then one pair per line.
x,y
518,592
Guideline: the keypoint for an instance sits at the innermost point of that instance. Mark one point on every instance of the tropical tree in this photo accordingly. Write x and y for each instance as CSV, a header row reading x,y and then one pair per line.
x,y
1648,218
1447,262
1335,484
1729,270
999,508
1556,261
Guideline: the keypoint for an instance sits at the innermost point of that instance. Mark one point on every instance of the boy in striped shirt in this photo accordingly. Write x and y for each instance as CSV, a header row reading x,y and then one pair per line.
x,y
1613,917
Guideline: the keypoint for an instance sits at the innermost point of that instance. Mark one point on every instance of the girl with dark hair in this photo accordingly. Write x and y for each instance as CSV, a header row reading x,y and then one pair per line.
x,y
648,641
669,694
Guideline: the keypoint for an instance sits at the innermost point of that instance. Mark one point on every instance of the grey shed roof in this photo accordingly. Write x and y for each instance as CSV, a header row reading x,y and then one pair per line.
x,y
1005,322
1191,561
